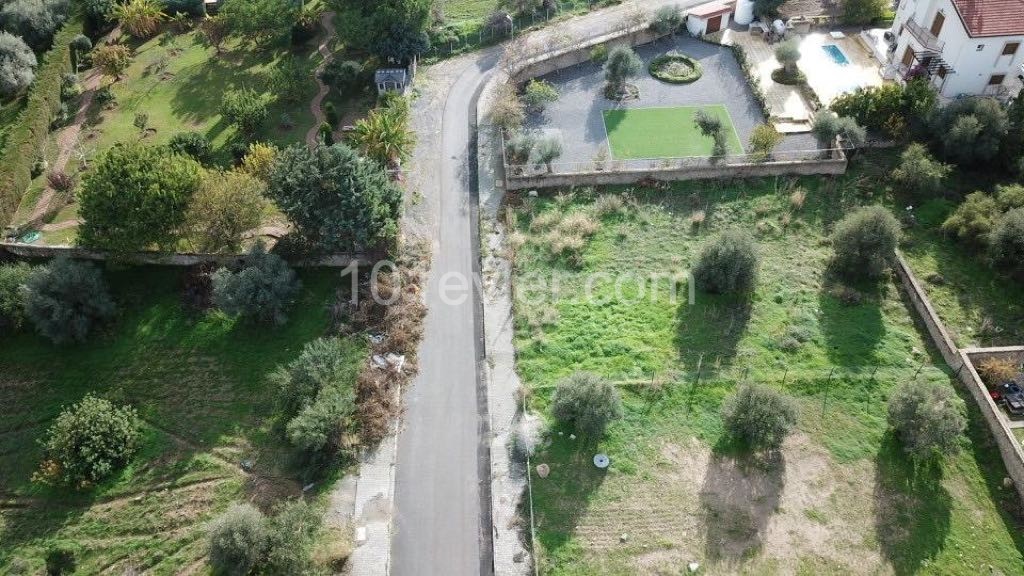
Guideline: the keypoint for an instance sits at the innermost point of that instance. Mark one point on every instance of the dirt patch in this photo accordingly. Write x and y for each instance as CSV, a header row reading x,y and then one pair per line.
x,y
781,513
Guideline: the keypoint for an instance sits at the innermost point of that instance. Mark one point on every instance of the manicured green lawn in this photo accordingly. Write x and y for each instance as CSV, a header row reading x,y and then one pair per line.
x,y
198,381
842,497
664,132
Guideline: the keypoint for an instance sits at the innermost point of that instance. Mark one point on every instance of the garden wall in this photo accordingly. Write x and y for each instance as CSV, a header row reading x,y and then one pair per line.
x,y
29,251
963,362
579,53
824,166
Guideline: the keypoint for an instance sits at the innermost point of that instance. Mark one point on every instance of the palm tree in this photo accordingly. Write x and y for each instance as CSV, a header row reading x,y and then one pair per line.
x,y
384,136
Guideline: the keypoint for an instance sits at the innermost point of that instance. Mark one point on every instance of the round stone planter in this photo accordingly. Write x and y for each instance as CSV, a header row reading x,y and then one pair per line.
x,y
675,68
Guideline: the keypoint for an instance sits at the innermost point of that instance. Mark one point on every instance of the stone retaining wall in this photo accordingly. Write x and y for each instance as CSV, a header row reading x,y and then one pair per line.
x,y
963,362
30,251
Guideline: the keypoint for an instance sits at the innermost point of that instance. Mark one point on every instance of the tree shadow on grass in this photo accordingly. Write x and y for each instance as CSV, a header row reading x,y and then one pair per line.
x,y
851,319
912,508
709,330
563,498
740,494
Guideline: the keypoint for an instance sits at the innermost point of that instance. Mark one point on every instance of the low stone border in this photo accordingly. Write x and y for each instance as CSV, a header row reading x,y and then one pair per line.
x,y
963,362
656,68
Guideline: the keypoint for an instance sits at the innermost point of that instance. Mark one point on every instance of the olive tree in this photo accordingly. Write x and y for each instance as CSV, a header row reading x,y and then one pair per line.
x,y
759,416
971,130
1006,243
262,290
928,418
622,64
89,441
788,54
238,540
727,263
335,198
66,299
35,21
17,65
919,172
864,242
587,402
226,206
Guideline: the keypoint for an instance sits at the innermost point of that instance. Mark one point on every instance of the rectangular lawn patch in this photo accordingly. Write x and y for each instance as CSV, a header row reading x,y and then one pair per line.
x,y
664,132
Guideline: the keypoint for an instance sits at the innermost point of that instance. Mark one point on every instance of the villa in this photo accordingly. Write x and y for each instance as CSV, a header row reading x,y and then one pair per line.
x,y
965,47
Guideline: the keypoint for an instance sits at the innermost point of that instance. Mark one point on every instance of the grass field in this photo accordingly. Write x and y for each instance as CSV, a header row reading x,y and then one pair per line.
x,y
199,382
840,498
664,132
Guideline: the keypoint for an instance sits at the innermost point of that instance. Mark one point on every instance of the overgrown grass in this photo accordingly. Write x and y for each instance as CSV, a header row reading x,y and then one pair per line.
x,y
839,350
198,381
8,114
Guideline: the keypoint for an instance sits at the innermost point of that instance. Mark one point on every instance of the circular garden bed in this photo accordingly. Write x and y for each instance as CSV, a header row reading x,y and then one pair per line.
x,y
781,76
675,68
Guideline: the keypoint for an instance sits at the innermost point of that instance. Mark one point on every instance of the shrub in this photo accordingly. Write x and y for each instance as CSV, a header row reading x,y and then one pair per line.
x,y
712,127
538,94
343,75
66,300
140,18
919,172
973,220
61,181
35,21
1010,196
507,110
860,12
788,54
599,53
136,196
262,290
971,130
827,126
928,418
994,371
587,402
884,108
238,540
675,68
291,535
759,416
622,64
727,263
548,150
1006,243
60,560
763,141
227,205
17,65
13,291
112,59
98,12
244,108
90,440
864,242
259,160
192,144
519,146
335,199
667,19
384,135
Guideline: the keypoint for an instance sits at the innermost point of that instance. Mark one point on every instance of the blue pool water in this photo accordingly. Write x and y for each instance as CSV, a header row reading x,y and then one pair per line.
x,y
835,54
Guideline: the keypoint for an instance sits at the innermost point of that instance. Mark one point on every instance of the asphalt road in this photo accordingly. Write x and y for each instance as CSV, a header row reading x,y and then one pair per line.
x,y
442,511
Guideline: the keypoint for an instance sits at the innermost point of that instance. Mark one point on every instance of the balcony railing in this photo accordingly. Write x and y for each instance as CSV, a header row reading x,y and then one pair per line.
x,y
928,40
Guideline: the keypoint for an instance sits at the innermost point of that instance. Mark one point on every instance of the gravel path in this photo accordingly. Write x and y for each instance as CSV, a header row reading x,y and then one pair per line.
x,y
315,106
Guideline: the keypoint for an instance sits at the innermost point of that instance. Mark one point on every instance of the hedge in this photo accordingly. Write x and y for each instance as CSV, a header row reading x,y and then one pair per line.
x,y
26,138
658,68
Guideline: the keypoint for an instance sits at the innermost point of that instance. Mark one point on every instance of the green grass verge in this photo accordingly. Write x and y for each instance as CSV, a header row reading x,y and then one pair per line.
x,y
664,132
677,489
199,382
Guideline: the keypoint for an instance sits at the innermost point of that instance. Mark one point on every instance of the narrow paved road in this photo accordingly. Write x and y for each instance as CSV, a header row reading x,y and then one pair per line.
x,y
442,522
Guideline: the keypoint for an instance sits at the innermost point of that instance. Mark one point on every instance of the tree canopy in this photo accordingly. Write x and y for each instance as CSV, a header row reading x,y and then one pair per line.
x,y
17,65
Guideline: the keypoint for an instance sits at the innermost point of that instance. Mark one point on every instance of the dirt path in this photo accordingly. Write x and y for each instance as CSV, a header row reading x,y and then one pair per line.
x,y
327,24
67,139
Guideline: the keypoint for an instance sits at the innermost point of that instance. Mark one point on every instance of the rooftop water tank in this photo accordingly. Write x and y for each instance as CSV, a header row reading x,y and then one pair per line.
x,y
744,12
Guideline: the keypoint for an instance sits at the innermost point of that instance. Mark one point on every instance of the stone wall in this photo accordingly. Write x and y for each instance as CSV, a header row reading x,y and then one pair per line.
x,y
829,166
963,362
29,251
579,53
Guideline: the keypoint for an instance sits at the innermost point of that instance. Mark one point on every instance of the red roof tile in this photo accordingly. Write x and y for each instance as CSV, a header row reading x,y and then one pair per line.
x,y
991,17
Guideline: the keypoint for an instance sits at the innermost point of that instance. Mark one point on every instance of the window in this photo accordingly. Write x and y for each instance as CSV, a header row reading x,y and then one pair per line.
x,y
1011,48
980,47
996,79
940,19
908,56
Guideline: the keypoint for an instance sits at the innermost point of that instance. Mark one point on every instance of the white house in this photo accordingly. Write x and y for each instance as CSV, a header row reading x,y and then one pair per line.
x,y
964,46
708,18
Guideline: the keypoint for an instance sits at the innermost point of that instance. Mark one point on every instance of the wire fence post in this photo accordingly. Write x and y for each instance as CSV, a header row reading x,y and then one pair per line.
x,y
784,374
920,367
824,401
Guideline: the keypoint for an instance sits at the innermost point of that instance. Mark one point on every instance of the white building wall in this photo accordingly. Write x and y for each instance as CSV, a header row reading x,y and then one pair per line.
x,y
698,26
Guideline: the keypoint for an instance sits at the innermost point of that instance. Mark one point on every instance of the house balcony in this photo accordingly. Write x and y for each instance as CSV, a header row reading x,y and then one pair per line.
x,y
928,40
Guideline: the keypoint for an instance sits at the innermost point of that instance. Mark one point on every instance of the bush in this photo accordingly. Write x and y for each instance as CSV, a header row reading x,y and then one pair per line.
x,y
919,172
711,126
60,560
888,107
519,147
192,144
971,130
994,371
599,53
758,416
538,94
345,76
244,108
334,198
66,300
61,181
763,141
112,59
140,18
291,535
622,64
864,242
675,68
88,441
35,21
135,197
262,290
827,126
928,418
1006,243
973,220
1010,196
238,540
259,160
588,403
13,291
227,205
667,19
17,65
860,12
548,150
727,263
507,111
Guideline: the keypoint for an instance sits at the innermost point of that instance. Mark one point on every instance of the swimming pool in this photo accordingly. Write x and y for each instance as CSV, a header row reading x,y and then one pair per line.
x,y
836,54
